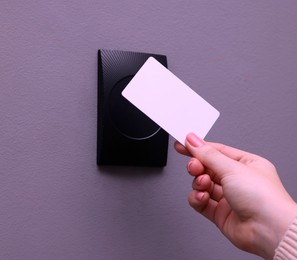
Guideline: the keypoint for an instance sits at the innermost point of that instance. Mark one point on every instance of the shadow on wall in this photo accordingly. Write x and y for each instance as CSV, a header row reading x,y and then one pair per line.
x,y
130,172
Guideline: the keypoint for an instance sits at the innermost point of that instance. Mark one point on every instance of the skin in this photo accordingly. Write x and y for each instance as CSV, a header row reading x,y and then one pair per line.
x,y
240,193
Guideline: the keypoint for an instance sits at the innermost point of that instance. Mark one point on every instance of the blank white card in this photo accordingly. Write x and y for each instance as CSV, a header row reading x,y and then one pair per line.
x,y
169,102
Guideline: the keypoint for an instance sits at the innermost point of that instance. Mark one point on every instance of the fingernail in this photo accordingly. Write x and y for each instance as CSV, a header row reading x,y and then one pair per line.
x,y
189,165
199,180
194,140
200,195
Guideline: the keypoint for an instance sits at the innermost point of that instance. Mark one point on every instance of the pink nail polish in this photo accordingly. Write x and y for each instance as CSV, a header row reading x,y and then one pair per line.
x,y
200,195
194,140
189,166
199,180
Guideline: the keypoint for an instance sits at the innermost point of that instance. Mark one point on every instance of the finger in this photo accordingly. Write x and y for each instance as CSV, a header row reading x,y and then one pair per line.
x,y
181,149
211,158
204,183
231,152
216,192
198,200
201,202
195,167
212,176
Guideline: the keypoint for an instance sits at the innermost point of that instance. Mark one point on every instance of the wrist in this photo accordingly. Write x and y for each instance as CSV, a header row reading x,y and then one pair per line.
x,y
271,232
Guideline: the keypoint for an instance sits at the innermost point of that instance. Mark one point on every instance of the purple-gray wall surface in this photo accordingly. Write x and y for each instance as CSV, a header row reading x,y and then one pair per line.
x,y
55,202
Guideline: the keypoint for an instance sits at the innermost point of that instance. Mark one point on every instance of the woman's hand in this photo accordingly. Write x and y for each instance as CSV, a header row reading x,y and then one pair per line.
x,y
241,193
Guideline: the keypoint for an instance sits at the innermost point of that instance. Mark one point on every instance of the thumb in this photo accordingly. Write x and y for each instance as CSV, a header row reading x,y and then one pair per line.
x,y
220,164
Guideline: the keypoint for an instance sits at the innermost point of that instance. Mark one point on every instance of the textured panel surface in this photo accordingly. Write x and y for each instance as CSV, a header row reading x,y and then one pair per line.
x,y
125,135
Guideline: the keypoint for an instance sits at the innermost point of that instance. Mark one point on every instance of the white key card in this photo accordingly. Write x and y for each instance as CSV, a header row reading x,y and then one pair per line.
x,y
169,102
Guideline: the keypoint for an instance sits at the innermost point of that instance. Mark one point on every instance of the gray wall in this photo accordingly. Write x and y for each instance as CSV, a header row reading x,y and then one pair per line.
x,y
55,203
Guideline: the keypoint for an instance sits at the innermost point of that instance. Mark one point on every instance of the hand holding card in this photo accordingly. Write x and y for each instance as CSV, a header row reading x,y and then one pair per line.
x,y
169,102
